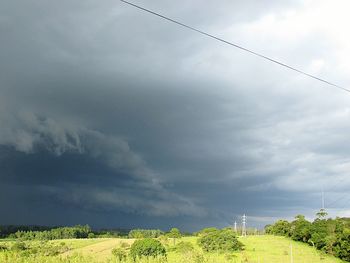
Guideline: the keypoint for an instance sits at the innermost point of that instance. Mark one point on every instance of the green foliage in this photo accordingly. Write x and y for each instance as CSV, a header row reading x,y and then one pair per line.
x,y
258,248
205,231
124,245
147,247
3,247
174,233
331,236
19,246
120,254
300,229
183,247
220,241
39,248
56,233
10,230
145,233
342,245
322,214
280,228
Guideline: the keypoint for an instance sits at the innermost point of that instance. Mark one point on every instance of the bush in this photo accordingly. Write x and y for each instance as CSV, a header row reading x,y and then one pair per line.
x,y
120,254
220,241
342,246
205,231
124,245
183,247
147,248
3,247
19,246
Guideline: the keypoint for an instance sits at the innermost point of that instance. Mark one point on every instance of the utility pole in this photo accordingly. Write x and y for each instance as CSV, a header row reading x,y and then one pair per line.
x,y
244,222
235,227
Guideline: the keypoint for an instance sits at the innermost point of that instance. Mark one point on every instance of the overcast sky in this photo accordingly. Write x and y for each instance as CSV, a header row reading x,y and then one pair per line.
x,y
113,117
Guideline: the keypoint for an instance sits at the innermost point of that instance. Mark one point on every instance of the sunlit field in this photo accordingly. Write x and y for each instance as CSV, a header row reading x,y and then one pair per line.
x,y
258,249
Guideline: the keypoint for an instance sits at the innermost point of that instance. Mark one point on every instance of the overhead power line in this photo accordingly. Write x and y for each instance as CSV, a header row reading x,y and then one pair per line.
x,y
236,46
338,199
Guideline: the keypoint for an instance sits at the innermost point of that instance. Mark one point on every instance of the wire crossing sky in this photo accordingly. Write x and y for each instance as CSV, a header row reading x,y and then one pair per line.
x,y
236,46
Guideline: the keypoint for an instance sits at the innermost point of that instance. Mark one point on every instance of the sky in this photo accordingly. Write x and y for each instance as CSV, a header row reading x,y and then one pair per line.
x,y
112,117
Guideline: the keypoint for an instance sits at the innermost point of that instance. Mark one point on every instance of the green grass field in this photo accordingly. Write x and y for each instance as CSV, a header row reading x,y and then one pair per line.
x,y
258,249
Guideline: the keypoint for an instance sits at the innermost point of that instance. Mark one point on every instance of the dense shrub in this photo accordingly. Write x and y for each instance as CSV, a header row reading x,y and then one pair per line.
x,y
147,247
183,247
300,229
342,245
43,248
220,241
205,231
120,254
280,228
19,246
3,247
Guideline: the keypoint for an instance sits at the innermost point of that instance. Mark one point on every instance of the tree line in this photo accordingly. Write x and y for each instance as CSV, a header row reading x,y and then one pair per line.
x,y
55,233
329,235
78,231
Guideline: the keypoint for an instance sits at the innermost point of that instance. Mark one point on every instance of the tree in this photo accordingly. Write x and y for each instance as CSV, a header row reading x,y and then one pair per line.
x,y
300,229
322,214
174,233
280,228
147,247
220,241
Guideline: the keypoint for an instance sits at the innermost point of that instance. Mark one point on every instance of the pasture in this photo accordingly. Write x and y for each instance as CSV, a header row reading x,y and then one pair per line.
x,y
258,249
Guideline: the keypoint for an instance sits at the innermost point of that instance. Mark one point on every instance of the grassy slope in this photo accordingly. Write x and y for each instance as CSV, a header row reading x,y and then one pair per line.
x,y
101,250
277,249
258,249
269,249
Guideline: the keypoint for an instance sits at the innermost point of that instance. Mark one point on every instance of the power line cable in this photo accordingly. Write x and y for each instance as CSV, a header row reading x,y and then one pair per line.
x,y
236,46
345,204
338,199
336,184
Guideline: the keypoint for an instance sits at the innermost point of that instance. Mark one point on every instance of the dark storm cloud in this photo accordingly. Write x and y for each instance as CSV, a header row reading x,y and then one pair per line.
x,y
107,112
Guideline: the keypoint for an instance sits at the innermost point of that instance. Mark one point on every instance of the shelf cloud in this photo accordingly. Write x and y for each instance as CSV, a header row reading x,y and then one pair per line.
x,y
112,117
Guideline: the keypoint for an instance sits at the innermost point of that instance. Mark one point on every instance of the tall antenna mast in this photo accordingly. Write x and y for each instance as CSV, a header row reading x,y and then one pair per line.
x,y
322,213
244,222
